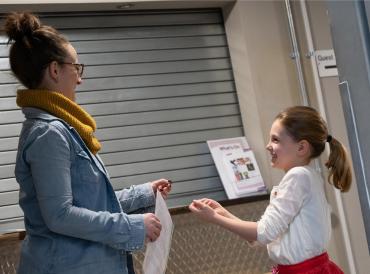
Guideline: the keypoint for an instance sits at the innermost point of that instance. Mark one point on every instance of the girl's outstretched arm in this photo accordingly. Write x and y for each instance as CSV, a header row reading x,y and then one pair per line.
x,y
218,208
246,230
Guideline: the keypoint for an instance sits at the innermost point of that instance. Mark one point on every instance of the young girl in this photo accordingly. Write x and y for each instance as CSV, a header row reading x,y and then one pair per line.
x,y
296,225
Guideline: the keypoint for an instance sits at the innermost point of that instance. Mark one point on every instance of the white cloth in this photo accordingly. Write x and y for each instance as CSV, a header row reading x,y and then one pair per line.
x,y
296,225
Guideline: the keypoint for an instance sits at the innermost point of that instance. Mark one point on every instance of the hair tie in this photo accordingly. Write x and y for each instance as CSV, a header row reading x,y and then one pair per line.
x,y
329,138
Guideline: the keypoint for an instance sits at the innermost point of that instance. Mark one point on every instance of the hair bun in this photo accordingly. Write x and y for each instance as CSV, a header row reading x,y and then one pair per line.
x,y
20,25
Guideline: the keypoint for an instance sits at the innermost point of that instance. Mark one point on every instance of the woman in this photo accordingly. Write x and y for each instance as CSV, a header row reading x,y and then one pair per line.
x,y
75,221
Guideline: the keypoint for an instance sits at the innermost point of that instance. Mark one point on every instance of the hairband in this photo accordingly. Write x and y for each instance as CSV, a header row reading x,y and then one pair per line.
x,y
329,138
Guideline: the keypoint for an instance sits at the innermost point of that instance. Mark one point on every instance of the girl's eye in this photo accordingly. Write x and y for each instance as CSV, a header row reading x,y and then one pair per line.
x,y
274,140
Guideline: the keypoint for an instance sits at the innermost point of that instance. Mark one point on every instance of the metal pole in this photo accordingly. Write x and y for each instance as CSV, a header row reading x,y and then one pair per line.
x,y
295,54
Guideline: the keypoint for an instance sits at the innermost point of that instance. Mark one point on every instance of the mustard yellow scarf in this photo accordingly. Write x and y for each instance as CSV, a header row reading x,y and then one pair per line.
x,y
63,108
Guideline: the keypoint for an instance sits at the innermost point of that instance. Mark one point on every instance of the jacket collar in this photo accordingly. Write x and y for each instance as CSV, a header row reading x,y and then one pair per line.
x,y
36,113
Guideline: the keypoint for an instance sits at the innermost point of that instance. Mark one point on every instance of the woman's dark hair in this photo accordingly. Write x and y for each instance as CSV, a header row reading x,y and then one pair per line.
x,y
305,123
35,46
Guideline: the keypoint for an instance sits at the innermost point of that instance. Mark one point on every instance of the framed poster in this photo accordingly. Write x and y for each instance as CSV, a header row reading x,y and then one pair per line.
x,y
237,167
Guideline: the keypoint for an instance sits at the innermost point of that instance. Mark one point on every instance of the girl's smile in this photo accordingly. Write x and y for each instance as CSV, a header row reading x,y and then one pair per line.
x,y
273,156
284,150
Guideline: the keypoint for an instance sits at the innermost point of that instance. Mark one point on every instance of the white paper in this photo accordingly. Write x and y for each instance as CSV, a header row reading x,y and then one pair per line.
x,y
156,253
237,167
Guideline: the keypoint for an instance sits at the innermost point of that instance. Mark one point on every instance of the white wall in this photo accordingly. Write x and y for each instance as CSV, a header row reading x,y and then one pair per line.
x,y
264,73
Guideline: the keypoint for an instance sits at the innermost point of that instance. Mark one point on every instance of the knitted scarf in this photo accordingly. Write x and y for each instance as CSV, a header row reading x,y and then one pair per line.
x,y
63,108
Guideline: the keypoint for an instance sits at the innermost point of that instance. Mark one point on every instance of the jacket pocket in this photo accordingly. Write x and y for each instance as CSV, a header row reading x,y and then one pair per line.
x,y
88,182
86,170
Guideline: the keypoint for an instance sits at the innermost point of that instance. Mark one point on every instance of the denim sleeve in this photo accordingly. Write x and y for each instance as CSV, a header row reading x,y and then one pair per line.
x,y
49,159
137,198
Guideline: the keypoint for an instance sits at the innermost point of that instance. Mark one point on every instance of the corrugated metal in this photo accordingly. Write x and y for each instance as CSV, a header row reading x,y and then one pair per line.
x,y
159,84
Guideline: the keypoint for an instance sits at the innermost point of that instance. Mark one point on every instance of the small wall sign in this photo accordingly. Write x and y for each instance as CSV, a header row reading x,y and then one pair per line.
x,y
326,63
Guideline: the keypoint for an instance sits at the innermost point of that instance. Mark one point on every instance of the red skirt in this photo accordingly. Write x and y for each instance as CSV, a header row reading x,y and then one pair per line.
x,y
317,265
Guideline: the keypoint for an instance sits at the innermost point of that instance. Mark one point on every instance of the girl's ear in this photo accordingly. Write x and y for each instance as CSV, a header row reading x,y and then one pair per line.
x,y
53,71
303,148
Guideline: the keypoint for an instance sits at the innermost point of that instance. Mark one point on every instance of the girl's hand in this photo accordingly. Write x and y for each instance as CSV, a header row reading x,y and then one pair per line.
x,y
219,209
203,211
163,185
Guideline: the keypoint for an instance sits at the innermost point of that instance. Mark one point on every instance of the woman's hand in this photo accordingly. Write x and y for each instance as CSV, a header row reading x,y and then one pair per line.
x,y
153,227
163,185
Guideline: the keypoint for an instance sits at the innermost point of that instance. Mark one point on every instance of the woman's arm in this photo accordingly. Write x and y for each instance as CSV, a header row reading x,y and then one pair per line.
x,y
141,198
136,198
49,157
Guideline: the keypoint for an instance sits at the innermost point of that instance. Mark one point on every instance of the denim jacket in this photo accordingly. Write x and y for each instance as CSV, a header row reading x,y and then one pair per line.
x,y
75,221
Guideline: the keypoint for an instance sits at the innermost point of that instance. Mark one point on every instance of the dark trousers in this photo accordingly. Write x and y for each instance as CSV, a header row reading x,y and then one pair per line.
x,y
130,263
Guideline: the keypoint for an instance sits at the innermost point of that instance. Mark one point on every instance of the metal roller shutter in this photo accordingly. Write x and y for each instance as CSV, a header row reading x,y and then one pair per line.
x,y
159,84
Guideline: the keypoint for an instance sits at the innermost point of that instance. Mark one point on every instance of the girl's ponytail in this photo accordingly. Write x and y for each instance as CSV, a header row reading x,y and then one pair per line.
x,y
340,174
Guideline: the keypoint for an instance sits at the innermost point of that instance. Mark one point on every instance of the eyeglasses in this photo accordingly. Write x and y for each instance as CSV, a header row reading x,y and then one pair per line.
x,y
79,67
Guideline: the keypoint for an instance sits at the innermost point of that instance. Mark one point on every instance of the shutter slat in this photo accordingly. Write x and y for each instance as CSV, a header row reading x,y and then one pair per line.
x,y
156,67
155,80
6,76
154,154
166,115
9,89
169,139
146,44
167,128
11,130
154,92
147,32
177,176
12,116
7,157
9,198
11,225
6,171
9,184
68,21
158,104
159,165
8,144
10,211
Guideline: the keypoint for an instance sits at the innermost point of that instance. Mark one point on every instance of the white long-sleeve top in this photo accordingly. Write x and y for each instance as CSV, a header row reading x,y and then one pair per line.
x,y
296,225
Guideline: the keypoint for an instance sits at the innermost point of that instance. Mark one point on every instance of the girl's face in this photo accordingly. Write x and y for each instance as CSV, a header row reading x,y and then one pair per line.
x,y
69,74
283,149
